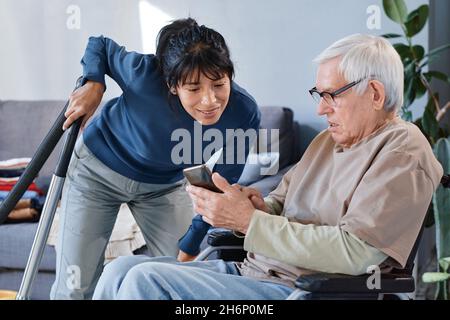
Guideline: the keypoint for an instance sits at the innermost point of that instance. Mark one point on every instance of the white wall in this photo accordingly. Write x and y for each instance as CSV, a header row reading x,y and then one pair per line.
x,y
272,41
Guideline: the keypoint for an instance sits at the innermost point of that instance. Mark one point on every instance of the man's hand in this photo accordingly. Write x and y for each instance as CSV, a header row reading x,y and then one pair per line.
x,y
184,257
255,197
83,102
231,209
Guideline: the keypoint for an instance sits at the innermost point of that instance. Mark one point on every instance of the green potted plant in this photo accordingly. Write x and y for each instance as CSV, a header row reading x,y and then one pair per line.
x,y
418,83
439,277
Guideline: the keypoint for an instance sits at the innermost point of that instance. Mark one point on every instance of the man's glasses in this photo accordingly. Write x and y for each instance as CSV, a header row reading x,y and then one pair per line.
x,y
329,97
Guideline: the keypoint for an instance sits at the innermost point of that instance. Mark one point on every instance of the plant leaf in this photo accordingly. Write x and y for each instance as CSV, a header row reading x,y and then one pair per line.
x,y
418,87
441,201
416,20
396,10
436,74
428,76
437,50
444,263
391,35
429,124
435,276
419,52
404,51
409,95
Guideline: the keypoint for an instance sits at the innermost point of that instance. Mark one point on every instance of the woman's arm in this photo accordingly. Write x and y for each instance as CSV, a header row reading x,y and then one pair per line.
x,y
104,56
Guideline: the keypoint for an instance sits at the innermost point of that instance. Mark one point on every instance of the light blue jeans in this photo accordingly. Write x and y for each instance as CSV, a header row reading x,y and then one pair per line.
x,y
91,199
164,278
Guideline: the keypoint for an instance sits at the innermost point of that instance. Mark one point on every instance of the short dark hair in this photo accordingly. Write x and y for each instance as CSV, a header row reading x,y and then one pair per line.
x,y
184,47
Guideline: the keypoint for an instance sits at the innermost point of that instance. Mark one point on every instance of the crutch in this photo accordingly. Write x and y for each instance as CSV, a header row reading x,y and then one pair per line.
x,y
54,192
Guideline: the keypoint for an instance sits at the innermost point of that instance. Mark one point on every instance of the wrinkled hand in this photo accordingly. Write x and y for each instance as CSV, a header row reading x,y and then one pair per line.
x,y
185,257
231,209
83,102
255,197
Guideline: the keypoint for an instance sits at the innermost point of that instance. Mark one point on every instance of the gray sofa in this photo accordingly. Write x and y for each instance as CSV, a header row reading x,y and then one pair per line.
x,y
23,124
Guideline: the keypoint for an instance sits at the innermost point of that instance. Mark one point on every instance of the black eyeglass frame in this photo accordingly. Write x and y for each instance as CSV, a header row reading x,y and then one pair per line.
x,y
334,93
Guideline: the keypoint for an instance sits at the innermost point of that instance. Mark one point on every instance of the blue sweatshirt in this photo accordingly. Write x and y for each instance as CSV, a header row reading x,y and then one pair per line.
x,y
132,135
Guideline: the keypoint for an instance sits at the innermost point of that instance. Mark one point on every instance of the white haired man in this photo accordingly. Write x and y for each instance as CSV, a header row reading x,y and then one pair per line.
x,y
357,198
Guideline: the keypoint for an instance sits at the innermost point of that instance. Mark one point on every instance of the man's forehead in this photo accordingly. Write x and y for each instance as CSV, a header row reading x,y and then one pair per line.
x,y
329,77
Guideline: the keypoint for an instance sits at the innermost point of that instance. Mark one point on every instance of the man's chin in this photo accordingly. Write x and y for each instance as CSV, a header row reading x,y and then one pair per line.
x,y
337,138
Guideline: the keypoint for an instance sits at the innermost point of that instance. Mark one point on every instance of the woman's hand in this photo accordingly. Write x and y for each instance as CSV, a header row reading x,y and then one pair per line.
x,y
184,257
255,197
83,102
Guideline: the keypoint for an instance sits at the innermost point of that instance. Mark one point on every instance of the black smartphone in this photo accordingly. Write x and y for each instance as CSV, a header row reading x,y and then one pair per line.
x,y
201,176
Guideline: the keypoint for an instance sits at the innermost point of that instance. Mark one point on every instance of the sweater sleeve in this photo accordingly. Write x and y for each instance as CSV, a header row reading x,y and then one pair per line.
x,y
274,206
103,57
190,242
320,248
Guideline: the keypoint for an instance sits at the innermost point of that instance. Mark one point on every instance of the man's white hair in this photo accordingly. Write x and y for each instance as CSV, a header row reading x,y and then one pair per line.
x,y
369,57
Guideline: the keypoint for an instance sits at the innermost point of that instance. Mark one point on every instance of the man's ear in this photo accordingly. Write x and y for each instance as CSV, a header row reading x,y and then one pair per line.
x,y
378,94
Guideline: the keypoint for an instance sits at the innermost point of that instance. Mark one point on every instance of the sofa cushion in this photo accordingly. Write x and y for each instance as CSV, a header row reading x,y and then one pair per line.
x,y
10,279
15,246
283,119
23,126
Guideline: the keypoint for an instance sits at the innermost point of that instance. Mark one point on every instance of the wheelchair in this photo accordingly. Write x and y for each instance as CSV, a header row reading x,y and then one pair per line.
x,y
394,285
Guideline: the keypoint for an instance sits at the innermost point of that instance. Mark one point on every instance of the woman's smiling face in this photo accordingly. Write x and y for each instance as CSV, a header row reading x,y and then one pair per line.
x,y
203,98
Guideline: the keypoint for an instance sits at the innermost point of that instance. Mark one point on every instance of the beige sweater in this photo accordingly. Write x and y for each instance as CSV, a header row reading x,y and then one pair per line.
x,y
342,210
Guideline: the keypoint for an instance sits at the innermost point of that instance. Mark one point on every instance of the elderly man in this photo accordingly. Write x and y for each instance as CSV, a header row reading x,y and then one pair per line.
x,y
357,198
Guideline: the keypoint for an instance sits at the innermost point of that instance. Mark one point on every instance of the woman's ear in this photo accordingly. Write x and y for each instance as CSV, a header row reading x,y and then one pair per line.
x,y
172,90
378,94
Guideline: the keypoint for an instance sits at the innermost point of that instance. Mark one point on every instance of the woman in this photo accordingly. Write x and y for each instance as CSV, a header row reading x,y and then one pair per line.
x,y
125,154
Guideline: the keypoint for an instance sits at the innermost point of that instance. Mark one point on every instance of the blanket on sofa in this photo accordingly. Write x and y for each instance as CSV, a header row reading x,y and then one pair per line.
x,y
125,238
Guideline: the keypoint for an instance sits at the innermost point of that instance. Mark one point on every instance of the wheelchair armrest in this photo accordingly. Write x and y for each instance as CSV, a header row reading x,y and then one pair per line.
x,y
340,283
222,237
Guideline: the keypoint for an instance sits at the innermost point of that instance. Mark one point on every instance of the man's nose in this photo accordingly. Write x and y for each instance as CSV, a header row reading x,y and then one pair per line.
x,y
323,108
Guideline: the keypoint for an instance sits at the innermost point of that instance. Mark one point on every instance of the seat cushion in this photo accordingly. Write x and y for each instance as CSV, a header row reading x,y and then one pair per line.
x,y
15,246
11,279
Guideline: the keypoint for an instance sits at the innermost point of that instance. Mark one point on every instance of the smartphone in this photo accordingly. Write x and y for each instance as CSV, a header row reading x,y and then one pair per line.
x,y
201,176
